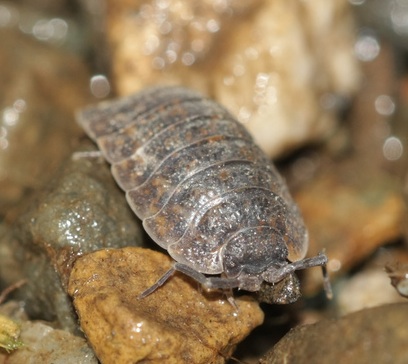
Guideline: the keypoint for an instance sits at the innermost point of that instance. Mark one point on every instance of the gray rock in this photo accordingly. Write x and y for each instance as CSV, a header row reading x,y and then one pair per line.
x,y
44,344
376,335
80,211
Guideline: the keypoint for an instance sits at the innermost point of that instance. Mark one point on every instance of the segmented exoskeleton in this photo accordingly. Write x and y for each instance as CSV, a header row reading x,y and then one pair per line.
x,y
204,191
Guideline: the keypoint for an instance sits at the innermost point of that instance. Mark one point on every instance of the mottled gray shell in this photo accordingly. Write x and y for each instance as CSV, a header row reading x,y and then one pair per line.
x,y
193,174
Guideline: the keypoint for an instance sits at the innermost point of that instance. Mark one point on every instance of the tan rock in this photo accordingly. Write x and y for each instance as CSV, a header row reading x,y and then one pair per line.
x,y
175,324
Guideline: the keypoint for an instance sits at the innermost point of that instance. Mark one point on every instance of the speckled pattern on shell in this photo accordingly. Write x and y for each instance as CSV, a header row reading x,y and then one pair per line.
x,y
193,174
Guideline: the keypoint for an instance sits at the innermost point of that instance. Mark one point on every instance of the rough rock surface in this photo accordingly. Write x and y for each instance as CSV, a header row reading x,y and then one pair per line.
x,y
376,335
175,324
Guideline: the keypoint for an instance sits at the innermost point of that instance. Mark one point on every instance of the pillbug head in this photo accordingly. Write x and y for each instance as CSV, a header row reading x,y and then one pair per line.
x,y
251,253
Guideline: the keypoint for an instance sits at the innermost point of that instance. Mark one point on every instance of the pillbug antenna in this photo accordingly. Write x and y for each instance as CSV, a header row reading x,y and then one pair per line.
x,y
326,281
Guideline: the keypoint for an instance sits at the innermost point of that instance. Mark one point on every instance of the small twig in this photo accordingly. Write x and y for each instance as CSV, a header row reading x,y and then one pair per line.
x,y
11,288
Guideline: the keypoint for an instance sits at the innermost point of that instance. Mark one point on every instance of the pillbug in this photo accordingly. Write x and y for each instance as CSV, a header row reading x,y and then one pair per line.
x,y
204,191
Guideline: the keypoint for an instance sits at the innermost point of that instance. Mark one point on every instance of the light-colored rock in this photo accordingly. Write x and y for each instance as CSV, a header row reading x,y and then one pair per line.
x,y
369,288
277,65
43,344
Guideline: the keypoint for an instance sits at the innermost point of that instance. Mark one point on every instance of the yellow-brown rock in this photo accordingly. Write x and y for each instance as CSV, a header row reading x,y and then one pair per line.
x,y
178,323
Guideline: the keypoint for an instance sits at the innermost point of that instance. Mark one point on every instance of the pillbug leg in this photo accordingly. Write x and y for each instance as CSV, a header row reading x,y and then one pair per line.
x,y
158,284
208,282
211,282
227,284
231,300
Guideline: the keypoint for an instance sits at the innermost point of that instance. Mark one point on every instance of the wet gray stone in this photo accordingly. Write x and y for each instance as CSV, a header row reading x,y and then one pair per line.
x,y
81,211
44,344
